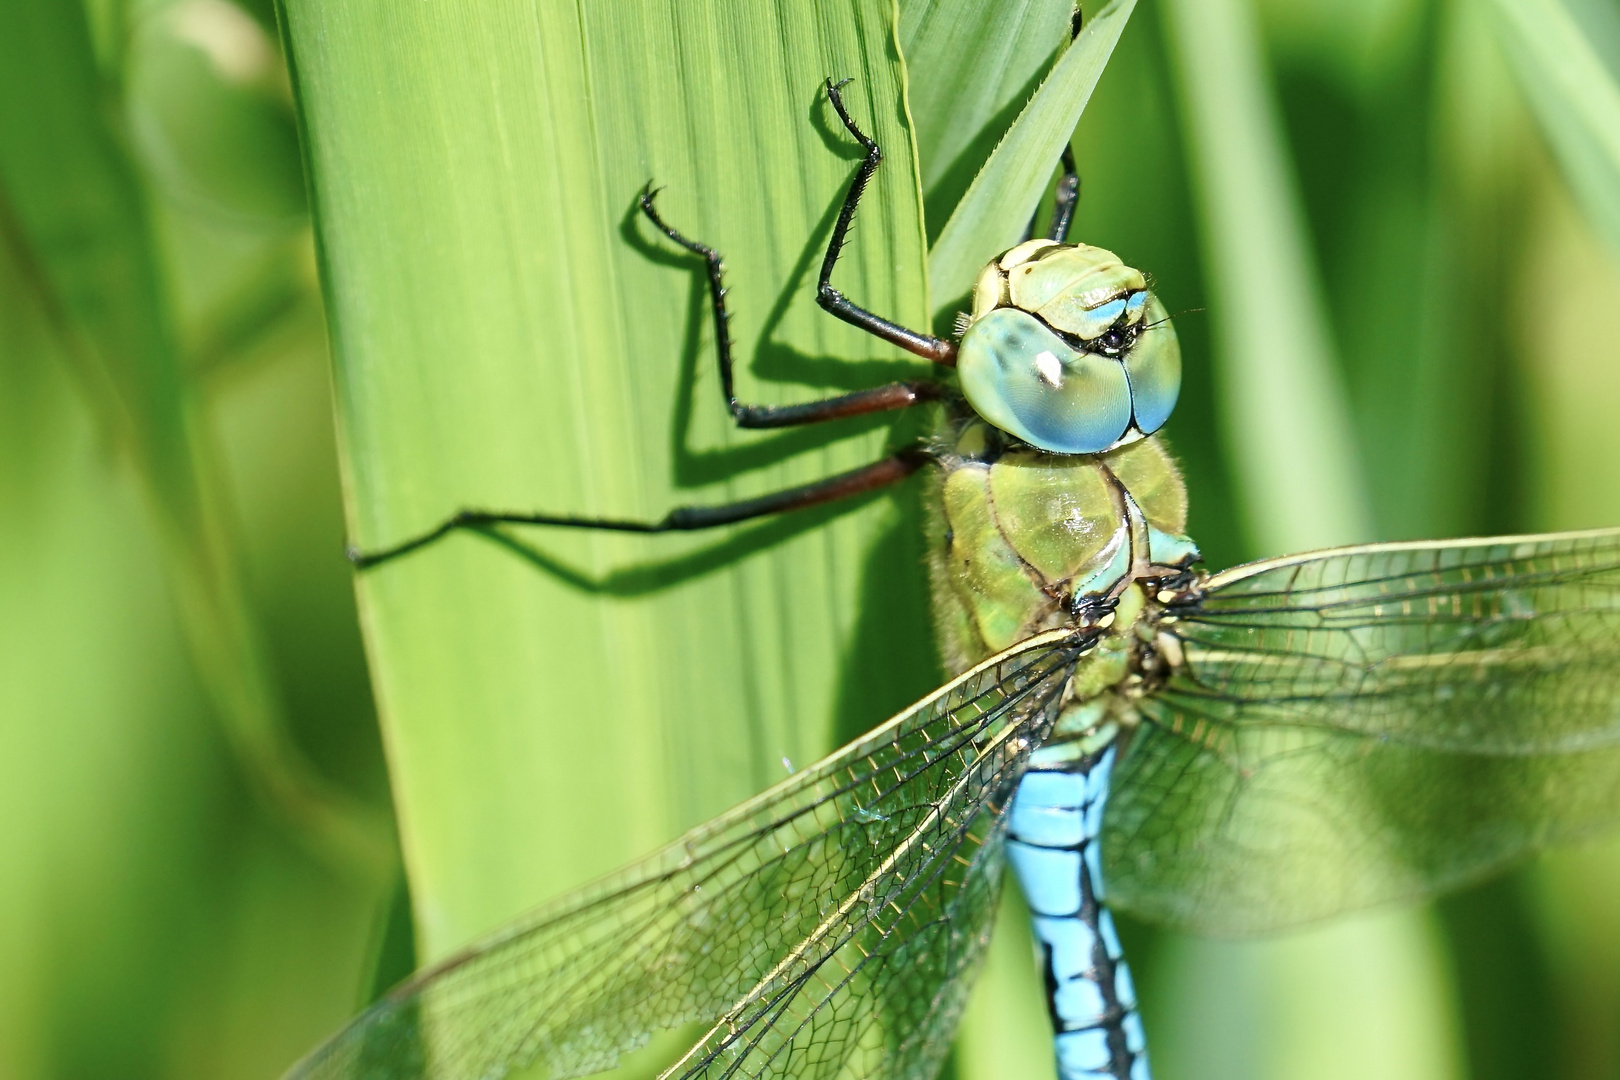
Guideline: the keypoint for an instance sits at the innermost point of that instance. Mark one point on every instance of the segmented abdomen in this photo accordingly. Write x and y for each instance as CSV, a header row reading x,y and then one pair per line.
x,y
1056,817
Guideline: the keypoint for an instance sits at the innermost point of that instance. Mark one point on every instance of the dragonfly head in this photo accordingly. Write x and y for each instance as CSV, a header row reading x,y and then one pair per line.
x,y
1067,349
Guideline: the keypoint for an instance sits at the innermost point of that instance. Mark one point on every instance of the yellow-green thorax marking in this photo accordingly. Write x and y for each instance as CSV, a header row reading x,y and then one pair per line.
x,y
1030,541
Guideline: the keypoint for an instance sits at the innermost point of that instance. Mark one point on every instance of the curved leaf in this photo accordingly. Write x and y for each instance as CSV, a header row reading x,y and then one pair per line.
x,y
993,214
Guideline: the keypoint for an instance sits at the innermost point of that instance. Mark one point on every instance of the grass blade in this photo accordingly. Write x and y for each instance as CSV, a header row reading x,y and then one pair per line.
x,y
969,70
993,214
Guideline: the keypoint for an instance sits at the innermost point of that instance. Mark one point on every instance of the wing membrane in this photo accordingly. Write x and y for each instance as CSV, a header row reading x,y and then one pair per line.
x,y
829,920
1370,724
1498,646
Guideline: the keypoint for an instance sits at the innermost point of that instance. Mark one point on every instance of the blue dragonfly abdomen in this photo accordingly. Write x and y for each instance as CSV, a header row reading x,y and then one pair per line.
x,y
1054,831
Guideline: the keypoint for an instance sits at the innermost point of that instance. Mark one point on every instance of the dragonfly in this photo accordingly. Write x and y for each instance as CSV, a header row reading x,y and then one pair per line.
x,y
1220,752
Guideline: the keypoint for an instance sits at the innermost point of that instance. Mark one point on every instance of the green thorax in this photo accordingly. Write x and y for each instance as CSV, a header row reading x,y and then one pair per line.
x,y
1027,541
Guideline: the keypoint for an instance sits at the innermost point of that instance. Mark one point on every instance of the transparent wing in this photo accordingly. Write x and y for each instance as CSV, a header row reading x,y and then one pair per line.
x,y
825,926
1370,724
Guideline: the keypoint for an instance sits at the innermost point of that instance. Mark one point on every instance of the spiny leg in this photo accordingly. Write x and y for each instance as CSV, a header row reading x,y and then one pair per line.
x,y
844,485
1063,203
1067,198
879,474
927,346
897,395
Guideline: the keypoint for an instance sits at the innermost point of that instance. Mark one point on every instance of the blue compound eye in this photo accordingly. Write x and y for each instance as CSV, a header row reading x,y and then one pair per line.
x,y
1067,350
1027,381
1154,368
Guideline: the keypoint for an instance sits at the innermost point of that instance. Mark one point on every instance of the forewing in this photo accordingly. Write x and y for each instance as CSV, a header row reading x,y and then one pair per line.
x,y
1498,646
826,923
1371,724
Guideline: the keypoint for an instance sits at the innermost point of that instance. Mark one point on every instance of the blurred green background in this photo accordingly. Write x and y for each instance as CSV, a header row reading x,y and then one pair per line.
x,y
1392,226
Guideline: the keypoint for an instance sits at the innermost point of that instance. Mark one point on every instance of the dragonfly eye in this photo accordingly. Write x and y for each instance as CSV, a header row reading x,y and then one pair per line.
x,y
1026,380
1113,342
1067,350
1153,364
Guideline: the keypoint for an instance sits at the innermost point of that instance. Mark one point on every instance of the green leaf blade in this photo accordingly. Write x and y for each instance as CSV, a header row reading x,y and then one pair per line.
x,y
969,70
511,334
993,214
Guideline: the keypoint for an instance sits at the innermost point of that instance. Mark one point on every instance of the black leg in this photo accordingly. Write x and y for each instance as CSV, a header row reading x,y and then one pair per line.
x,y
932,348
845,485
1068,188
879,474
1063,203
899,395
1068,195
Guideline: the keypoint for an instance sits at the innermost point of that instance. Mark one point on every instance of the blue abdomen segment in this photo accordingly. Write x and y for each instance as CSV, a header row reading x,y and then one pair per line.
x,y
1053,829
